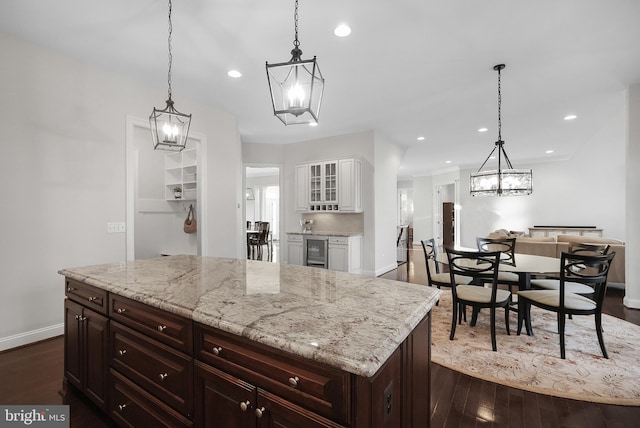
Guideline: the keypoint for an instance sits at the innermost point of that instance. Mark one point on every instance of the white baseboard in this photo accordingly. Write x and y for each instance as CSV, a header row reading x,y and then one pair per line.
x,y
31,336
386,269
631,303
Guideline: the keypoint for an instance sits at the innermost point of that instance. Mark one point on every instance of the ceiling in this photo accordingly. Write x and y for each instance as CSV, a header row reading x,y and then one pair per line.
x,y
409,68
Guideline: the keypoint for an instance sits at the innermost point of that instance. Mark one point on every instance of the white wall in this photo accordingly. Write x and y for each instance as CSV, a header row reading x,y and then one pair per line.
x,y
588,189
62,134
632,153
422,209
388,157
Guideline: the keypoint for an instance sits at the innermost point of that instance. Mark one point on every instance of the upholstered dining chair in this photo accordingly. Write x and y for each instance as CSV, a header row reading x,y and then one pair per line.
x,y
435,278
590,270
573,287
260,239
483,268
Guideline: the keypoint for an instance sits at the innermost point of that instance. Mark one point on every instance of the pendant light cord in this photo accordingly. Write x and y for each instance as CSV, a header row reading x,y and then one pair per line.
x,y
296,53
499,108
170,57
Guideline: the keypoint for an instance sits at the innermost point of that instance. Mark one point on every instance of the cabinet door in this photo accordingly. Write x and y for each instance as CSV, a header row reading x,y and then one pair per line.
x,y
72,343
96,335
222,400
302,187
295,253
349,185
339,257
315,183
275,412
330,183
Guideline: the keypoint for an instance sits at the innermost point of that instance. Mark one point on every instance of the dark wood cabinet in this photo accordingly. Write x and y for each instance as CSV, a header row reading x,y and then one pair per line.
x,y
86,357
148,367
222,400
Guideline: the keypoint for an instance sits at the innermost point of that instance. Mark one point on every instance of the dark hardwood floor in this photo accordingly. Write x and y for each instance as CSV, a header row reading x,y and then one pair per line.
x,y
33,375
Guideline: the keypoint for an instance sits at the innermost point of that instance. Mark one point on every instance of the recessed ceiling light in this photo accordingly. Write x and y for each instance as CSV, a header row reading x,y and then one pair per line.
x,y
447,161
342,30
549,151
492,157
313,124
570,117
483,130
420,138
234,73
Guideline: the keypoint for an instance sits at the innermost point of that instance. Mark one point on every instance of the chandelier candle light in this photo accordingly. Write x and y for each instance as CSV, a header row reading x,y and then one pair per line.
x,y
501,182
169,127
296,86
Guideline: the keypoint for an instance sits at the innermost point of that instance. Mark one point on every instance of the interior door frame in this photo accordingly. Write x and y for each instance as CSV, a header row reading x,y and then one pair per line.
x,y
280,199
131,160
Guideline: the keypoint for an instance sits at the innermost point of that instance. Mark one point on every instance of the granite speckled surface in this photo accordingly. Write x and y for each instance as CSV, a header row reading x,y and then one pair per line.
x,y
347,321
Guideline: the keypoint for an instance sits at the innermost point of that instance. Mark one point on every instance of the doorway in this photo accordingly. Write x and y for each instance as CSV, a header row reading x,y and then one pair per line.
x,y
155,214
263,201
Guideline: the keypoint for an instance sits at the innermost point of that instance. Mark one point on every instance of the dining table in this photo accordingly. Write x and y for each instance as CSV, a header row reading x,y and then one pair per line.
x,y
525,266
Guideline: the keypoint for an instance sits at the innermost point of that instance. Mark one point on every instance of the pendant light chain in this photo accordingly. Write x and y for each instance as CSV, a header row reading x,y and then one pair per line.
x,y
499,108
170,57
296,43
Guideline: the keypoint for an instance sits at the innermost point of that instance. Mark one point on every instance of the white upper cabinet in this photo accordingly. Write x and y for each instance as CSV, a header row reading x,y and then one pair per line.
x,y
329,186
349,185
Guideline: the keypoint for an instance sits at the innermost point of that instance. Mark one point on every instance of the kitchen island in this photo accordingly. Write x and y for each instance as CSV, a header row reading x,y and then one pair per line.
x,y
202,341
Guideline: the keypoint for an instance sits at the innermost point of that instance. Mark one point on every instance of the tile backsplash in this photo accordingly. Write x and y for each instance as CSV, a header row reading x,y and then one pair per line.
x,y
328,222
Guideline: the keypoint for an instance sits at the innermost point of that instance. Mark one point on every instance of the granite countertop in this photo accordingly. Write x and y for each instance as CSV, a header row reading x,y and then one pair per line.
x,y
326,233
347,321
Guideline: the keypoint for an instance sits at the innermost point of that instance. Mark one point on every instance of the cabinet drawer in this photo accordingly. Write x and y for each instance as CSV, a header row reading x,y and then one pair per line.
x,y
339,240
317,387
166,327
133,407
88,295
294,238
164,372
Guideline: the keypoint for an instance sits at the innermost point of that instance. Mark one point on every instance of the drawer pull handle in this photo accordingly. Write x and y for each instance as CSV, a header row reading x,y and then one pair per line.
x,y
122,406
162,328
259,412
163,376
77,317
293,381
216,350
122,351
244,405
70,289
92,299
121,310
82,319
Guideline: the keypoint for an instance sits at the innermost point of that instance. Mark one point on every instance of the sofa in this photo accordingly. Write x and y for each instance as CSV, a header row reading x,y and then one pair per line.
x,y
555,246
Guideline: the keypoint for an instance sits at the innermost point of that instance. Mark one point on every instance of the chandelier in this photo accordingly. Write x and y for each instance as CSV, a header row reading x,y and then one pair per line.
x,y
296,86
501,182
169,127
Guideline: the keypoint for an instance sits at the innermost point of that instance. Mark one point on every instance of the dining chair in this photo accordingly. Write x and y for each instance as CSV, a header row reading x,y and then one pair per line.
x,y
590,270
573,287
483,268
260,239
435,278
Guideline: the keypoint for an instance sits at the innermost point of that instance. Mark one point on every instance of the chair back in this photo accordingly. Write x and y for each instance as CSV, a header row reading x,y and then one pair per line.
x,y
430,254
506,246
586,269
589,249
482,266
263,228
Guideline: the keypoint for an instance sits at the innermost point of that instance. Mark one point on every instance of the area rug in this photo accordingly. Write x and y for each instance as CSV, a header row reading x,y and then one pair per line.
x,y
534,363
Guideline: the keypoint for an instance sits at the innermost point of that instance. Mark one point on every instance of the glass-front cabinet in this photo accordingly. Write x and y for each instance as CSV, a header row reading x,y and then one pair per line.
x,y
329,186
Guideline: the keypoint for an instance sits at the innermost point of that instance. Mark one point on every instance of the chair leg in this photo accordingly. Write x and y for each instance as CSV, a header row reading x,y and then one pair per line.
x,y
599,332
506,318
493,329
453,320
561,319
474,316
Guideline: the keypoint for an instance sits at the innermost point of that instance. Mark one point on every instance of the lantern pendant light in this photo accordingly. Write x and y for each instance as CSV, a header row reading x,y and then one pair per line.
x,y
296,86
501,182
169,127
